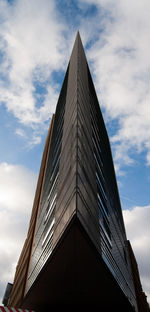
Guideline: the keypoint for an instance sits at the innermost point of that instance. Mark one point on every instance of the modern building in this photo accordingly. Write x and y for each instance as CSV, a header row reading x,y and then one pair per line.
x,y
76,252
141,297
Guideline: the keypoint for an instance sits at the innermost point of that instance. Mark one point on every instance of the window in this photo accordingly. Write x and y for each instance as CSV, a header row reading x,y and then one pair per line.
x,y
102,205
54,184
106,226
101,187
49,233
105,229
98,166
50,208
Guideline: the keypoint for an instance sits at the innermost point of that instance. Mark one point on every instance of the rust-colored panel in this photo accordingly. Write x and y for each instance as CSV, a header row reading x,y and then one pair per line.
x,y
18,289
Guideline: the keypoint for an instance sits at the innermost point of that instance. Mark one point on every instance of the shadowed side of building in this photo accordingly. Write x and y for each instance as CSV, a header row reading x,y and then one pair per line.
x,y
142,303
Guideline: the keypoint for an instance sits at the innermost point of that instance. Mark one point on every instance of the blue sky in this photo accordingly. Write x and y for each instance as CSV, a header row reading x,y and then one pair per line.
x,y
36,39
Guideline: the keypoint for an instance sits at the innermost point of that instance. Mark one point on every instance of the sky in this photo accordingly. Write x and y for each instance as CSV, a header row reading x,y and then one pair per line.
x,y
36,39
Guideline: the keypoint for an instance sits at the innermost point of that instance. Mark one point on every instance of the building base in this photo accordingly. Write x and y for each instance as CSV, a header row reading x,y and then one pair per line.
x,y
76,276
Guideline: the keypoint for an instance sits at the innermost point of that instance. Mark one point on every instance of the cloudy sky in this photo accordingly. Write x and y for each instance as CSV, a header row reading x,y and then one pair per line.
x,y
36,38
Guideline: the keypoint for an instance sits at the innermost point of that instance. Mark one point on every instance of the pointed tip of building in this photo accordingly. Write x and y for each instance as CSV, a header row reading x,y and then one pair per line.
x,y
78,38
78,35
77,44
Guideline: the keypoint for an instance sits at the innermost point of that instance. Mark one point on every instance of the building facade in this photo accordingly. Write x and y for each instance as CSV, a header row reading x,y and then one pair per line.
x,y
141,297
77,251
18,289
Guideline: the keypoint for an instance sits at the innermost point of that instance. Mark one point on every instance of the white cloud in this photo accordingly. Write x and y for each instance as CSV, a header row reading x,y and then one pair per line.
x,y
20,132
32,47
16,199
138,232
50,102
16,189
121,65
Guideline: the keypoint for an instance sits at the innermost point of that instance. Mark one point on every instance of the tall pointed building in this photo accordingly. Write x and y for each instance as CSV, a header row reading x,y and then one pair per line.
x,y
75,253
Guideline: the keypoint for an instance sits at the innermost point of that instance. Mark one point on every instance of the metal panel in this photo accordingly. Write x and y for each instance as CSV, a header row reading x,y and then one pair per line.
x,y
80,155
43,240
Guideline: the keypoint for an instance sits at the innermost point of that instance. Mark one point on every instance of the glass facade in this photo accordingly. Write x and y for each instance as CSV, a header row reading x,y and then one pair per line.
x,y
80,180
111,226
43,241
